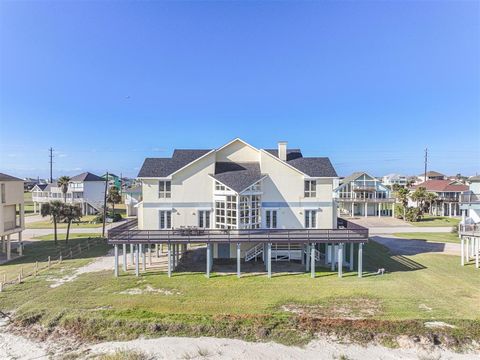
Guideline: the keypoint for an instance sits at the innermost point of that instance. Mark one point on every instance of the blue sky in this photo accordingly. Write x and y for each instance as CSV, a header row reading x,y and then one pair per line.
x,y
369,84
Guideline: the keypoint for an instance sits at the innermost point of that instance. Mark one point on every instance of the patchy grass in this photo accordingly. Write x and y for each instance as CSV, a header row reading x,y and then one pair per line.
x,y
94,308
442,221
41,250
436,237
85,222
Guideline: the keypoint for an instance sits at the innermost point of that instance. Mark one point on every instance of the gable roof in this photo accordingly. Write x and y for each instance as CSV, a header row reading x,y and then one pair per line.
x,y
311,166
163,167
40,186
237,176
441,185
6,177
86,176
353,176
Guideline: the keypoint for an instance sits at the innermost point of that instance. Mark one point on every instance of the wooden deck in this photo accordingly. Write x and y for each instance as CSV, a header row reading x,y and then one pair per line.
x,y
129,234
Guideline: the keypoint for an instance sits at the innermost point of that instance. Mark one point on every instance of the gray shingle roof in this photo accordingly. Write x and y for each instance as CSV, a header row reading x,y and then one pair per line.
x,y
162,167
86,176
314,166
237,176
291,153
353,176
6,177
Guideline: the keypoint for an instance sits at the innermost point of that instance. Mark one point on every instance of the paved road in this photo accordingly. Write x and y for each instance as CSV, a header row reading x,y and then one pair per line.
x,y
399,246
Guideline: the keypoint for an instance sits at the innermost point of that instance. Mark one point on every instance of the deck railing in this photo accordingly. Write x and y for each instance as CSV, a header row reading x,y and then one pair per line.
x,y
127,234
469,229
359,199
470,198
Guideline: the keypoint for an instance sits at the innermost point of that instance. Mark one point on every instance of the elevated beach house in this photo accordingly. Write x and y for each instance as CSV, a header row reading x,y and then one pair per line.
x,y
245,203
12,213
86,189
361,194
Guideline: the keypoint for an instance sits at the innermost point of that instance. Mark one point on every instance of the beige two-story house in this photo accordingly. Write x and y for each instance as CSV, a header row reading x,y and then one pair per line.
x,y
12,212
238,186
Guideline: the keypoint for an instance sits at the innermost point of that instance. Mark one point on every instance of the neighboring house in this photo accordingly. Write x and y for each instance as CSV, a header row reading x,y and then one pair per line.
x,y
394,179
86,189
470,201
132,197
431,175
29,183
238,186
12,211
113,180
448,196
361,194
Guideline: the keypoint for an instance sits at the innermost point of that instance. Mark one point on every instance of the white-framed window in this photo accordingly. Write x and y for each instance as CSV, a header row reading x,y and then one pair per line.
x,y
310,219
164,189
204,219
219,186
310,188
226,213
271,219
165,219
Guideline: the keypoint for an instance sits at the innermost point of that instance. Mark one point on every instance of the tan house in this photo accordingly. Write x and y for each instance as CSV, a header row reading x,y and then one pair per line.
x,y
11,212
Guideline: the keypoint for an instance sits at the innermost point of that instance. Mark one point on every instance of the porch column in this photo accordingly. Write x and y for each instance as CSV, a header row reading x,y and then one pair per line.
x,y
115,247
169,259
340,260
137,260
303,254
149,249
132,259
477,248
360,260
34,207
366,209
352,245
332,256
209,251
462,251
9,248
312,258
449,209
393,210
467,248
379,206
144,257
20,244
269,260
307,261
238,259
124,253
174,249
4,244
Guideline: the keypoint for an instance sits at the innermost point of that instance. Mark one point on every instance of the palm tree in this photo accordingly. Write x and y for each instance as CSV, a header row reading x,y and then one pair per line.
x,y
113,198
70,213
402,196
420,196
430,199
54,209
62,183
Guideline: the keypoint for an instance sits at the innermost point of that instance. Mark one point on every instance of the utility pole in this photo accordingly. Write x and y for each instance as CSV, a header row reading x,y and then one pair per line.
x,y
426,161
51,165
105,206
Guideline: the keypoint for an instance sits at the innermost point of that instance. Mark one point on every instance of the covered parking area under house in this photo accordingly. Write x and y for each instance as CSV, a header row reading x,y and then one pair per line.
x,y
333,246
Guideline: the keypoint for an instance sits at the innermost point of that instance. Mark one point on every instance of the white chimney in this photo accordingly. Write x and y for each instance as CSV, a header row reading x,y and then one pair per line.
x,y
282,150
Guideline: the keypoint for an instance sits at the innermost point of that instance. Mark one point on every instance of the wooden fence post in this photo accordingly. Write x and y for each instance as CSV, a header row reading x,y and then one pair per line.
x,y
71,253
36,268
19,278
1,286
49,262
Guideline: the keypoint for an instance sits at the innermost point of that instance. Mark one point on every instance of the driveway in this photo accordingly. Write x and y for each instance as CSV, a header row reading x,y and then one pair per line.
x,y
399,246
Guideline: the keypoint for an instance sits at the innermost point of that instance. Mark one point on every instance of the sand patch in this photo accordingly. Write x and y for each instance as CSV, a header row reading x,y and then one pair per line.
x,y
149,290
101,263
350,309
438,324
424,307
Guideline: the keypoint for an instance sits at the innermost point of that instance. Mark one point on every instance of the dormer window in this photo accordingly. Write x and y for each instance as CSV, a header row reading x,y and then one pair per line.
x,y
310,188
164,189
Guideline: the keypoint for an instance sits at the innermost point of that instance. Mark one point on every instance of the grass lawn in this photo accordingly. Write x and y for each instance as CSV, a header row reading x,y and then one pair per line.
x,y
40,250
429,220
47,224
437,237
415,289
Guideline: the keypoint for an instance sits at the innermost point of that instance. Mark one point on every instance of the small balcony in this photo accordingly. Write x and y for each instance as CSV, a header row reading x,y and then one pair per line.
x,y
365,199
470,198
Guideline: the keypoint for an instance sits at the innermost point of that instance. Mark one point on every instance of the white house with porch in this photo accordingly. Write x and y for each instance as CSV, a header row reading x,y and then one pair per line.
x,y
361,194
132,197
244,203
86,189
12,213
